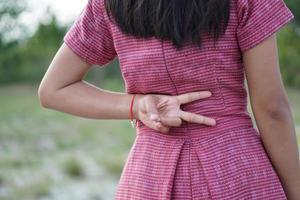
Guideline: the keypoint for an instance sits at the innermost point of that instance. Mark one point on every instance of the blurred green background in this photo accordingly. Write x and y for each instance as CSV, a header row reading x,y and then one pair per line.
x,y
45,154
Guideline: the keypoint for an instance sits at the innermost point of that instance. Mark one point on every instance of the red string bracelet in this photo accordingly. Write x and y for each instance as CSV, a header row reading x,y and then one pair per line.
x,y
133,122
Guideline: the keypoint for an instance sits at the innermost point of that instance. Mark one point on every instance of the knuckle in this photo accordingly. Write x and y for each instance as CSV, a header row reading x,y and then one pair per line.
x,y
205,120
179,123
190,97
156,126
148,97
201,119
178,113
190,118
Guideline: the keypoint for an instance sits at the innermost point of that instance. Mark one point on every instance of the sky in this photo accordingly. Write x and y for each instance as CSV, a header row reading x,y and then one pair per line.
x,y
65,10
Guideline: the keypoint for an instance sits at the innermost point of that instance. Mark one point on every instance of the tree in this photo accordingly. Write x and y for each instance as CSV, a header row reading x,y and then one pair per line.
x,y
9,13
28,60
294,5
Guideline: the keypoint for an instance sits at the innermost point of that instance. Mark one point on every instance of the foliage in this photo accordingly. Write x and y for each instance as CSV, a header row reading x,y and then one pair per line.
x,y
9,13
27,60
295,8
289,51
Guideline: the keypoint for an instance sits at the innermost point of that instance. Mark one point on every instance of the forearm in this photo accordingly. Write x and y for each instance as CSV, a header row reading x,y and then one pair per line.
x,y
86,100
279,138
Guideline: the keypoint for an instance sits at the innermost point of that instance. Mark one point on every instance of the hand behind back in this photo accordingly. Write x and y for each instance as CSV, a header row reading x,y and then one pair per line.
x,y
160,112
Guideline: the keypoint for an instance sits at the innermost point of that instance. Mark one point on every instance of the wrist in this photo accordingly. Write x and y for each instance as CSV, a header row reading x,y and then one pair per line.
x,y
135,106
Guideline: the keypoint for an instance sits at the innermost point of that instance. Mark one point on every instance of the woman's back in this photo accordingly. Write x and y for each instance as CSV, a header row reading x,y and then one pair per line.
x,y
194,161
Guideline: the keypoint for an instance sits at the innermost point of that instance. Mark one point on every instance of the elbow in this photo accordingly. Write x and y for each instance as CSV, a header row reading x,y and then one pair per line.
x,y
278,110
44,95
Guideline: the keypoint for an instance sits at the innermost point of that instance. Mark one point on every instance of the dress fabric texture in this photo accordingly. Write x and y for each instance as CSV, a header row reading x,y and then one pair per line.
x,y
195,161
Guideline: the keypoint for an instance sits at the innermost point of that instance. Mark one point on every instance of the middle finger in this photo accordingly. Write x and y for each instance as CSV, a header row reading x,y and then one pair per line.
x,y
171,121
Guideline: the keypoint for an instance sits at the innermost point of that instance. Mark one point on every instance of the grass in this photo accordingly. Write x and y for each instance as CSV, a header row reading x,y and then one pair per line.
x,y
36,143
45,154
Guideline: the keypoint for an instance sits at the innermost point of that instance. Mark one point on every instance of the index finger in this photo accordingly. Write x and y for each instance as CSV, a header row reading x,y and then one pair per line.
x,y
192,96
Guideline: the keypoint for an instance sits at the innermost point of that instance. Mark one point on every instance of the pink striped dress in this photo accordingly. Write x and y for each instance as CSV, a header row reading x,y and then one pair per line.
x,y
227,161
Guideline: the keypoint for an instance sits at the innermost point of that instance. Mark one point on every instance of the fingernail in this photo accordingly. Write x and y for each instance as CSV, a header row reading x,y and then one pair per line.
x,y
207,92
214,122
158,125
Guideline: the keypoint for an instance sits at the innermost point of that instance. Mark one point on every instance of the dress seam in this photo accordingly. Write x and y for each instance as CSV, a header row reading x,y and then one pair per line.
x,y
165,63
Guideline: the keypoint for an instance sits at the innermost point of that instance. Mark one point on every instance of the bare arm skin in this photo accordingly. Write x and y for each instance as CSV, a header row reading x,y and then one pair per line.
x,y
272,113
63,89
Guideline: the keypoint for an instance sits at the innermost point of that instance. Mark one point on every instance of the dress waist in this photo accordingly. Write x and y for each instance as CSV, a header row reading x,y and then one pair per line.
x,y
225,122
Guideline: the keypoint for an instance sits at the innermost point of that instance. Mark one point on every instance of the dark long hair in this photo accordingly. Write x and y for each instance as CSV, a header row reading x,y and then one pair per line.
x,y
176,20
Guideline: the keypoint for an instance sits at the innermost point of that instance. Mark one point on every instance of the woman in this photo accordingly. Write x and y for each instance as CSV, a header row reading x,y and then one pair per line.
x,y
183,64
